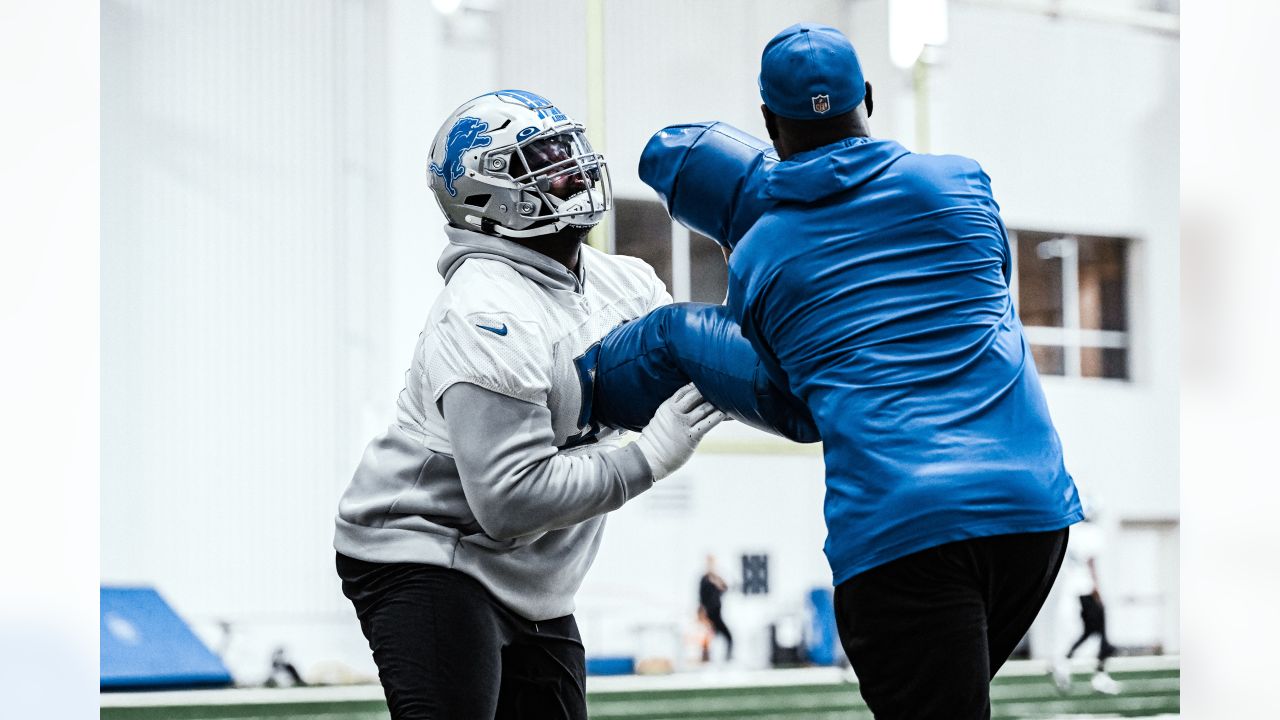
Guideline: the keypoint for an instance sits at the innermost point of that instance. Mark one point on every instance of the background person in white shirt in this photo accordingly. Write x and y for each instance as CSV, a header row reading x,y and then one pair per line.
x,y
1080,574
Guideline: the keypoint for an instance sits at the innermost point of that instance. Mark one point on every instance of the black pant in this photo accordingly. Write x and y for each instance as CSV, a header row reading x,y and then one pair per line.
x,y
1094,616
719,628
447,650
926,632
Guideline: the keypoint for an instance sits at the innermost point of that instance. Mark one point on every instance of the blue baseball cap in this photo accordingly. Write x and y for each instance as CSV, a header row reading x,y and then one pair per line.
x,y
808,72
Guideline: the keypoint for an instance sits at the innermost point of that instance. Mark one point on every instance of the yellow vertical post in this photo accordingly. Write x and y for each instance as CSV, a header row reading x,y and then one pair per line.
x,y
920,86
601,235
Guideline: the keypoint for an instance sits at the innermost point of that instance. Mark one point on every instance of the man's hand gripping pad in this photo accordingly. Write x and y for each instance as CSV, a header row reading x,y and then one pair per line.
x,y
641,363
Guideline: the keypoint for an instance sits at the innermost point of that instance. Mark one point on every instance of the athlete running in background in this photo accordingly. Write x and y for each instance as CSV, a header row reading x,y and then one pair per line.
x,y
1080,573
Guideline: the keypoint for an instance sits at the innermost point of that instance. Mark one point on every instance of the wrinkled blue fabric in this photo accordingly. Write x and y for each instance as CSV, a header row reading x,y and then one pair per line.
x,y
641,363
875,286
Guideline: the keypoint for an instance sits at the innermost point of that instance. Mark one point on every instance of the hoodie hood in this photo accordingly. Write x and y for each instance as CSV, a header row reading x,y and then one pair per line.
x,y
830,169
467,244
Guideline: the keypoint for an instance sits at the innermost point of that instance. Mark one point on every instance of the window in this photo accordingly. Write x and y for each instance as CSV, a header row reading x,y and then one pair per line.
x,y
1072,297
1071,290
755,574
691,265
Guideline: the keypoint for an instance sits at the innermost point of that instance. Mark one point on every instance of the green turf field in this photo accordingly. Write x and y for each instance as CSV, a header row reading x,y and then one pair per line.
x,y
1026,693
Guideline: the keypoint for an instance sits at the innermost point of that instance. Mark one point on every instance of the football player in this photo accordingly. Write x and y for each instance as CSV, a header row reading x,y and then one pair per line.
x,y
470,522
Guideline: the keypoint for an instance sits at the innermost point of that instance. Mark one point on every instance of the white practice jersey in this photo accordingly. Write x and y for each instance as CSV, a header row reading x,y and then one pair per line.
x,y
512,322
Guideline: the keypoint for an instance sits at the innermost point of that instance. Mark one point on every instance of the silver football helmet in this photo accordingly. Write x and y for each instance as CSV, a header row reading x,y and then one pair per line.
x,y
510,163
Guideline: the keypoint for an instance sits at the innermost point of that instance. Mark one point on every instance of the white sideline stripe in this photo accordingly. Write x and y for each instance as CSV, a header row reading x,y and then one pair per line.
x,y
1118,703
606,684
1095,716
719,679
722,706
242,696
1023,668
832,676
1081,690
1029,704
1016,699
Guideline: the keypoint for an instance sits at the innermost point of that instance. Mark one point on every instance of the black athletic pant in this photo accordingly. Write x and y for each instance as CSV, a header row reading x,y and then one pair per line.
x,y
1094,616
447,650
719,628
926,632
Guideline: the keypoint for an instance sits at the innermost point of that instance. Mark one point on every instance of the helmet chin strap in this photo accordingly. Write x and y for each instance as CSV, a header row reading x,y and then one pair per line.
x,y
547,229
586,200
591,197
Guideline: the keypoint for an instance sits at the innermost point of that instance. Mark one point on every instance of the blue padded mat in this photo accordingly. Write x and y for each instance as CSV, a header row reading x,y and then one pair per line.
x,y
146,645
823,635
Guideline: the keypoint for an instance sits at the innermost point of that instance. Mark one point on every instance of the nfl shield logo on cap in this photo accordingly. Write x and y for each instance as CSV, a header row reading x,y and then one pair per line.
x,y
810,71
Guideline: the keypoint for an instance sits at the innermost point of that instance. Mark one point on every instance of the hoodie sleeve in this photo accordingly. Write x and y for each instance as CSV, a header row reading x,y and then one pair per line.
x,y
497,351
658,295
516,481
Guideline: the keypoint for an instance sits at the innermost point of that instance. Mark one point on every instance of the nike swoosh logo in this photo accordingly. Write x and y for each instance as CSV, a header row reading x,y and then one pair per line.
x,y
496,331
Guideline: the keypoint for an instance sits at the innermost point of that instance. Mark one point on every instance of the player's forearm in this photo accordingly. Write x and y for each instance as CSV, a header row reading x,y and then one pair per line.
x,y
515,480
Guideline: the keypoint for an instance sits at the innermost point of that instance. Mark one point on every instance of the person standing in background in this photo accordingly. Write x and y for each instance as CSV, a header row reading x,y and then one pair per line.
x,y
710,589
1081,575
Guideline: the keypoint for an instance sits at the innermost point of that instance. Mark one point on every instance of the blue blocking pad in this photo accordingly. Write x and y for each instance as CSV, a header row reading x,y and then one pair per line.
x,y
641,363
146,645
711,177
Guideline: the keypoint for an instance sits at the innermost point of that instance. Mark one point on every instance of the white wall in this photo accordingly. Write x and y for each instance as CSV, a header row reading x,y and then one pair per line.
x,y
671,62
232,265
264,276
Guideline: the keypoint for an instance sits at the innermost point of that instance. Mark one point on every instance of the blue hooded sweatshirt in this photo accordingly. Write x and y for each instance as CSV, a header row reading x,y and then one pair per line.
x,y
876,287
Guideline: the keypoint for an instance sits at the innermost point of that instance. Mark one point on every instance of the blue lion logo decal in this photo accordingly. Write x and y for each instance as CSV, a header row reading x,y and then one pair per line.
x,y
465,134
534,102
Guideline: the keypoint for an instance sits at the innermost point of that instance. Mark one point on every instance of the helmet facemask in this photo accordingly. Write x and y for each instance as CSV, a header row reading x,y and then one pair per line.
x,y
560,181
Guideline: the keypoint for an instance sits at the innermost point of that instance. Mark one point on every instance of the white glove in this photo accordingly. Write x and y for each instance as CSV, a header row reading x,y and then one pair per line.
x,y
680,423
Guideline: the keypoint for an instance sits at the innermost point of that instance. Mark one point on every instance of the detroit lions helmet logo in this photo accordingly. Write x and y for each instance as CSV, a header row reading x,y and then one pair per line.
x,y
465,134
534,102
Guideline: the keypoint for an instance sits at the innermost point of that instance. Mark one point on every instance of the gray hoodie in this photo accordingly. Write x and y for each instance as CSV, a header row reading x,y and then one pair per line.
x,y
487,468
